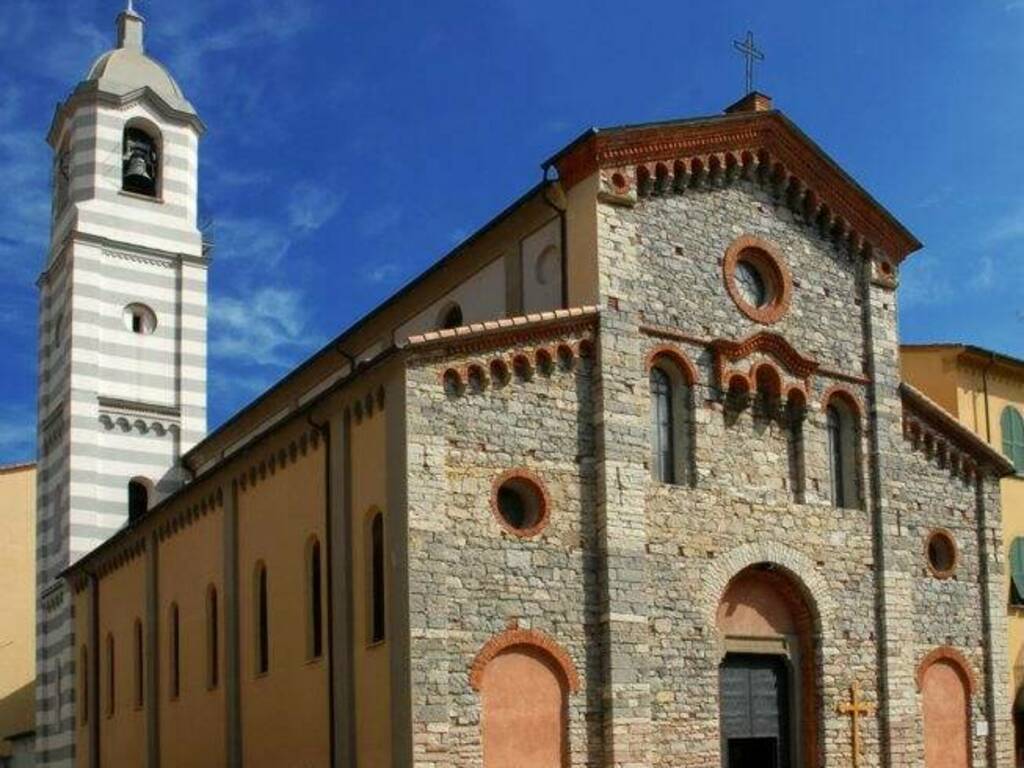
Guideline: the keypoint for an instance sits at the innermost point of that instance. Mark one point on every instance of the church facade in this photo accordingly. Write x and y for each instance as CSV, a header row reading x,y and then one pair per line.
x,y
627,479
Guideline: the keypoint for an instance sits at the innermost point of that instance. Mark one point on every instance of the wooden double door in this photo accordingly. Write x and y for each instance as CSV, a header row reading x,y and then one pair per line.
x,y
755,705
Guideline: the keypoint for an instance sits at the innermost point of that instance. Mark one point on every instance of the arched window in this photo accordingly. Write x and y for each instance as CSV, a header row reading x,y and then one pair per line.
x,y
451,316
140,162
138,499
1013,437
139,665
212,639
314,621
83,679
843,441
262,620
671,423
175,653
110,675
378,607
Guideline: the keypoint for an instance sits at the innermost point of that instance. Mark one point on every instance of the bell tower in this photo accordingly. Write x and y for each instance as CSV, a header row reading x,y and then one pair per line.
x,y
122,334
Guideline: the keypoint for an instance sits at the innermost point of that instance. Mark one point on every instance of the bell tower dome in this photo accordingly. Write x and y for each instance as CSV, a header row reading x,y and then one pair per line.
x,y
122,333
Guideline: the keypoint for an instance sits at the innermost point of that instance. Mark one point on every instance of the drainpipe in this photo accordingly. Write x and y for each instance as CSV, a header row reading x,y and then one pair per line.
x,y
325,433
564,246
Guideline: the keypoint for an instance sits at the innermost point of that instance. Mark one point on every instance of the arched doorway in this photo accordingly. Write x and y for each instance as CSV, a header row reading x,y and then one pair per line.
x,y
946,686
524,679
767,675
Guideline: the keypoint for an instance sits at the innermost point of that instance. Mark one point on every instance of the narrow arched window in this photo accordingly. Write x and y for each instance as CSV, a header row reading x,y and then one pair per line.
x,y
451,316
262,621
110,675
1012,424
378,607
140,162
843,438
314,623
672,437
836,459
139,665
662,427
212,639
138,499
83,680
175,652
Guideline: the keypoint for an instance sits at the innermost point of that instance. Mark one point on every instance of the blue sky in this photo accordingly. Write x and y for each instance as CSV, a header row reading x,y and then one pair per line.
x,y
352,143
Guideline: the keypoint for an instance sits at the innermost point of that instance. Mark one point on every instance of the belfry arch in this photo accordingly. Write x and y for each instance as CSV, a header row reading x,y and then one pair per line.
x,y
767,626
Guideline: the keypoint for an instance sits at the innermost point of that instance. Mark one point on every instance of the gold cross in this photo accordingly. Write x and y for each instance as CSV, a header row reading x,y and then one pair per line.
x,y
855,708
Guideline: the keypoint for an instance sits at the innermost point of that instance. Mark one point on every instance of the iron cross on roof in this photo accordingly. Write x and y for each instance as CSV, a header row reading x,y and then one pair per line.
x,y
751,53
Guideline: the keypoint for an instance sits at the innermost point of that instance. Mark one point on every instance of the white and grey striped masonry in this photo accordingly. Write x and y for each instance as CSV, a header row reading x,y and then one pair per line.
x,y
114,405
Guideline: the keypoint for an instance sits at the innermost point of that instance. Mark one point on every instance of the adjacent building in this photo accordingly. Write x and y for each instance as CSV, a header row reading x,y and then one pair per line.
x,y
17,614
984,391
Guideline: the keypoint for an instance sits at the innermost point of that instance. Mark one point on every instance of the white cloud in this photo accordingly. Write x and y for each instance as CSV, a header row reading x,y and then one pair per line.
x,y
380,220
268,326
925,283
259,242
1009,226
311,206
381,273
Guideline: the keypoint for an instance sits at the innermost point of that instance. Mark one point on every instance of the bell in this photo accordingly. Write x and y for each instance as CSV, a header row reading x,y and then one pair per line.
x,y
138,171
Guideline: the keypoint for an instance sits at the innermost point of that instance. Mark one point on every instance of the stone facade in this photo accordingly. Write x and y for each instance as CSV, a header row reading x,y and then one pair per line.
x,y
628,575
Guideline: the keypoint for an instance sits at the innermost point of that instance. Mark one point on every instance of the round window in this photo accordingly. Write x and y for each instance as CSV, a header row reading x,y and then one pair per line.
x,y
757,280
519,502
942,554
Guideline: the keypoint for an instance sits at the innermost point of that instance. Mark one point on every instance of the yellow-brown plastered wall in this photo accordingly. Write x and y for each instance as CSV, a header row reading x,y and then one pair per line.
x,y
933,371
190,560
17,600
581,233
372,665
284,713
122,600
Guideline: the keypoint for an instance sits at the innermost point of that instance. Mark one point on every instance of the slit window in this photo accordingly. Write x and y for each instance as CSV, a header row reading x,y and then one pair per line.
x,y
212,639
843,439
138,499
175,652
671,424
262,622
139,665
378,611
314,648
110,675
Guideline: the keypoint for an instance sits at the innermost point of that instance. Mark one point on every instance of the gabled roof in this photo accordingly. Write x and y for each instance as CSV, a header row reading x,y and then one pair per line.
x,y
769,140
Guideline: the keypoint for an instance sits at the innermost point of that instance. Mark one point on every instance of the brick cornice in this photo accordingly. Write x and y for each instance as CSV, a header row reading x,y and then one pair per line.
x,y
792,160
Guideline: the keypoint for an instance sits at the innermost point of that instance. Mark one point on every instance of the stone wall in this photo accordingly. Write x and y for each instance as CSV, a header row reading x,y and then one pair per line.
x,y
469,578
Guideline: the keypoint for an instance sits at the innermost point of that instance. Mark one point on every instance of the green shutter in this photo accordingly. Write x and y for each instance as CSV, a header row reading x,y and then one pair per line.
x,y
1012,425
1017,571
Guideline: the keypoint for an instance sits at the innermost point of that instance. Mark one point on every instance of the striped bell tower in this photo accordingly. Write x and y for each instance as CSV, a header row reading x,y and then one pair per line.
x,y
122,335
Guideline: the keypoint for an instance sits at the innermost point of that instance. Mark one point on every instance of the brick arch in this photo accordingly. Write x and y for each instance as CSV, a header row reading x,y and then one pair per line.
x,y
723,569
531,638
839,392
674,355
956,658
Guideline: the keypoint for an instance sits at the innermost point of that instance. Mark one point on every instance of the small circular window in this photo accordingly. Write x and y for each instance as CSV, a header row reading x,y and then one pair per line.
x,y
942,554
520,503
138,318
757,279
